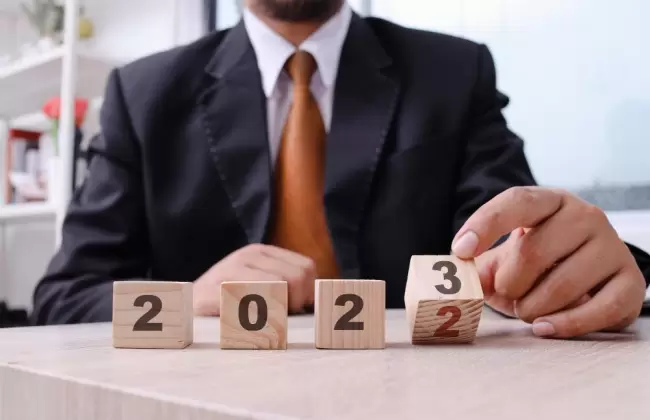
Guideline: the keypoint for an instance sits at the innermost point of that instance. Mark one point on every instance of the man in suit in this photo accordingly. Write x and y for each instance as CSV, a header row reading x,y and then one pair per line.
x,y
309,142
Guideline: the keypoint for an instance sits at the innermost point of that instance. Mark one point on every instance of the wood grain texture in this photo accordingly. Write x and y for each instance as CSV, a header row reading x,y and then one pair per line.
x,y
443,300
371,319
273,332
74,373
428,321
176,315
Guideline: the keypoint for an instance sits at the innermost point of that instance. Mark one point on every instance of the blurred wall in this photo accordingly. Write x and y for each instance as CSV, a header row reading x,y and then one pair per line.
x,y
578,74
124,29
128,29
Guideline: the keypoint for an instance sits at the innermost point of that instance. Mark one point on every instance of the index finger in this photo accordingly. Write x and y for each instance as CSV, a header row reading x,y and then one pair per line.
x,y
518,207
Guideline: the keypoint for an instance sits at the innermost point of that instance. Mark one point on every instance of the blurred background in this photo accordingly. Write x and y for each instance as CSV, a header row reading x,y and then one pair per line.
x,y
577,73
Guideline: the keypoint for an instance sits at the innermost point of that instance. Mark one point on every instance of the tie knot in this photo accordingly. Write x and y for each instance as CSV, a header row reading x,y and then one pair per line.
x,y
301,67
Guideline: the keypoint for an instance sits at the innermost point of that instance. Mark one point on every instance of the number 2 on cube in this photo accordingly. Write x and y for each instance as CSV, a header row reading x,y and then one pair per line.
x,y
350,314
345,322
144,323
450,275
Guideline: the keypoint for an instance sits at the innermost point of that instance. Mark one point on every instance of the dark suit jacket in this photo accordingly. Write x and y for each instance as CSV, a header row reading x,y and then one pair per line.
x,y
181,177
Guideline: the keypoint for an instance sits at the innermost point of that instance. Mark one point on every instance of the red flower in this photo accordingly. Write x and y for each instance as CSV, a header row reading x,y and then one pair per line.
x,y
53,110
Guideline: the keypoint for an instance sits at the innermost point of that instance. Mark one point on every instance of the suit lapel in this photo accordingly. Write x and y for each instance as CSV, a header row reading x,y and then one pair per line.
x,y
233,110
233,114
364,104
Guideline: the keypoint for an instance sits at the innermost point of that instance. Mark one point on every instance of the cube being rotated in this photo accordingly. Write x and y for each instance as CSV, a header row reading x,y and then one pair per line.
x,y
443,300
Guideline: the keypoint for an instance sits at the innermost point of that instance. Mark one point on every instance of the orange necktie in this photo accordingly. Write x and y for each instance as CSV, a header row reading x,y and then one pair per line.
x,y
300,224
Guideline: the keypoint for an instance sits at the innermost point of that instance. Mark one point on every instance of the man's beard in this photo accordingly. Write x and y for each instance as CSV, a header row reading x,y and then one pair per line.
x,y
300,10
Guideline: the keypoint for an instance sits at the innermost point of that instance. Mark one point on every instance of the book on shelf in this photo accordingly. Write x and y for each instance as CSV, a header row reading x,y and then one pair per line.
x,y
29,158
26,169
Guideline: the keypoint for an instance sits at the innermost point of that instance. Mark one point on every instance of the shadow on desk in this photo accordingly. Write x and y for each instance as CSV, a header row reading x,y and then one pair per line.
x,y
512,338
215,346
10,318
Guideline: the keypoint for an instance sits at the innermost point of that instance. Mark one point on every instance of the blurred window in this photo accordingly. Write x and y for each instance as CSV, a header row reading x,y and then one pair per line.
x,y
578,75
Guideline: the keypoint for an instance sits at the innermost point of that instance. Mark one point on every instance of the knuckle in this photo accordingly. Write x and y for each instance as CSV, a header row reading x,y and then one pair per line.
x,y
239,257
495,218
561,191
309,267
256,248
512,194
306,268
298,274
525,196
596,215
246,251
296,277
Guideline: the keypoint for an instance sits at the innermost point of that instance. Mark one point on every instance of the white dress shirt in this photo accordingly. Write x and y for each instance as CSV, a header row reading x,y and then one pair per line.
x,y
272,52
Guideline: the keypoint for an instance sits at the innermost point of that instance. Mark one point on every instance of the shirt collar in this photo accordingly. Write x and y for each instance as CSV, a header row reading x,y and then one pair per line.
x,y
272,50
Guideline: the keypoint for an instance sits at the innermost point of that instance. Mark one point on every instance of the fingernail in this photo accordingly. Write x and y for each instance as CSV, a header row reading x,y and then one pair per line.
x,y
466,245
543,329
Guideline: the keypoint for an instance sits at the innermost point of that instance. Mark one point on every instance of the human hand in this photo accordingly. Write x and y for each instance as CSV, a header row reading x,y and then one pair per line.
x,y
257,263
564,269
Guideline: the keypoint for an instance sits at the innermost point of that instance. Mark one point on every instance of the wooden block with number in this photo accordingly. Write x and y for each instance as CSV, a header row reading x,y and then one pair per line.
x,y
152,315
254,315
350,314
443,299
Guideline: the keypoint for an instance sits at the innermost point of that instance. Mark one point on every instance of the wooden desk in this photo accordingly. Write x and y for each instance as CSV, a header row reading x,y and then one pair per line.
x,y
72,372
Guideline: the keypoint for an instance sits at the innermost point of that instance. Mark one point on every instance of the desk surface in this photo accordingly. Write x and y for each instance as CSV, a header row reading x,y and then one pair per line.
x,y
72,372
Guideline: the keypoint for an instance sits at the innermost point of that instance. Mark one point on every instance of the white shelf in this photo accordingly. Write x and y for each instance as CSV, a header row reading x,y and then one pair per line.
x,y
10,6
13,6
25,86
32,122
19,212
39,122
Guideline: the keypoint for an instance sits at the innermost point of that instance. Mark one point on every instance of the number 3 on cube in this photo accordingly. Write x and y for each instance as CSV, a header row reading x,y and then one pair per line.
x,y
350,314
443,300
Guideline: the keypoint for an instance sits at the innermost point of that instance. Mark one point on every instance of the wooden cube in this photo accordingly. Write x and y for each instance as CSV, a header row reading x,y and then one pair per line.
x,y
254,315
443,300
350,314
152,314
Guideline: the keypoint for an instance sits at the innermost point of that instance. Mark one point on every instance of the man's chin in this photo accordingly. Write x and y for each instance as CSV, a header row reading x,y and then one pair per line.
x,y
299,10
